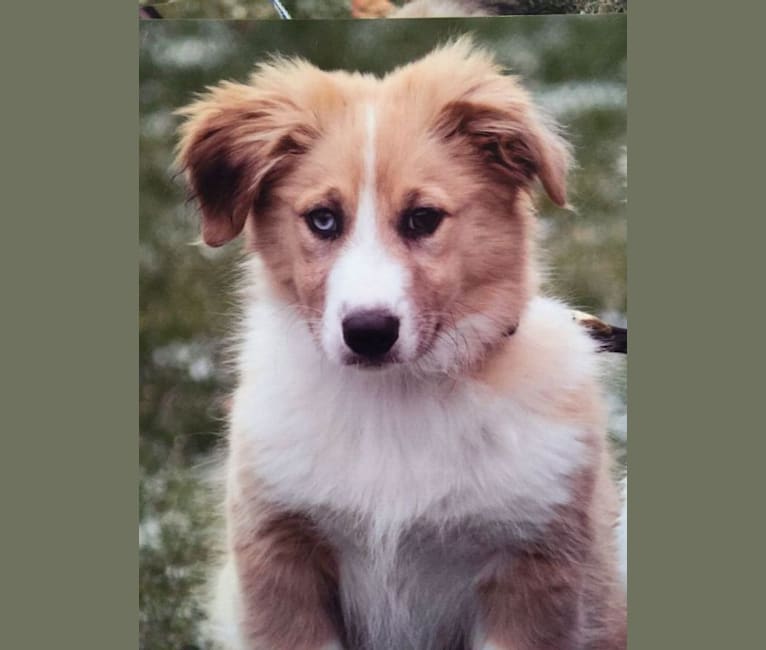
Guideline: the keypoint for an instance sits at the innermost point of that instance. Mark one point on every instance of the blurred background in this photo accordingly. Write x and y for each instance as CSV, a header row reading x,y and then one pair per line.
x,y
576,68
247,9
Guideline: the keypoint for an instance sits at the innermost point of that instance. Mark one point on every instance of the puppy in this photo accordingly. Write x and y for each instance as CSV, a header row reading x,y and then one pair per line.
x,y
417,456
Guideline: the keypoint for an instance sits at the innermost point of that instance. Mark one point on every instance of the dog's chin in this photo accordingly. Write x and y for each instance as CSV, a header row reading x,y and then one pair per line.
x,y
396,359
375,364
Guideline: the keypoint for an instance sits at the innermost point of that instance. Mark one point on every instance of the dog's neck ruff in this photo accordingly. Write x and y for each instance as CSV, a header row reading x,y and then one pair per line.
x,y
394,445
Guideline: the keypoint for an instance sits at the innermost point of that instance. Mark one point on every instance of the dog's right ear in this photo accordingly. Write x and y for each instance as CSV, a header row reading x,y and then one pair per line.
x,y
233,142
475,100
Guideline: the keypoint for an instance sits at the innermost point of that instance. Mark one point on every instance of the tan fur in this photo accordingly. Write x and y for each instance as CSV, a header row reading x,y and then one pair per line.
x,y
540,610
541,597
371,8
535,601
286,572
439,117
453,132
434,9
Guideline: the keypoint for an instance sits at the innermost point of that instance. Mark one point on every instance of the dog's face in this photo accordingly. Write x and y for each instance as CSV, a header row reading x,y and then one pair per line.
x,y
395,212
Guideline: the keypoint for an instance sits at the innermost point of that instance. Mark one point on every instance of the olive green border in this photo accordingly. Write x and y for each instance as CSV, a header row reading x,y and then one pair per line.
x,y
69,314
69,459
695,86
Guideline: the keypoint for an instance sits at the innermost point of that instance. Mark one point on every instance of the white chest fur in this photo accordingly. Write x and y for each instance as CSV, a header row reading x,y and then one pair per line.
x,y
392,447
396,460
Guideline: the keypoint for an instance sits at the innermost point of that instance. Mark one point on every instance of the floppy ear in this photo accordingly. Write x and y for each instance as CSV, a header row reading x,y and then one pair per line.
x,y
500,120
234,140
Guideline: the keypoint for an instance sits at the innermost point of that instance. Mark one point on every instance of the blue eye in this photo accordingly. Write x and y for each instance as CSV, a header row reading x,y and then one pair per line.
x,y
324,223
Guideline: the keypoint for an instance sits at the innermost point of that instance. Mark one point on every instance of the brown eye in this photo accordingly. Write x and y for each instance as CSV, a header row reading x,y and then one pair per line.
x,y
420,222
324,223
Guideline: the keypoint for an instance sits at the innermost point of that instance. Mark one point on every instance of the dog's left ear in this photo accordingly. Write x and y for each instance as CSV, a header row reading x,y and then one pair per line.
x,y
500,120
236,139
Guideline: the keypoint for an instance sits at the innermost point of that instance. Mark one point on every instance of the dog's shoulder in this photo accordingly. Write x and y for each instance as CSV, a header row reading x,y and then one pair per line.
x,y
548,347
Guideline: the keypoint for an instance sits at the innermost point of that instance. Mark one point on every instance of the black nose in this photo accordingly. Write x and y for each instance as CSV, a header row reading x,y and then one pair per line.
x,y
371,333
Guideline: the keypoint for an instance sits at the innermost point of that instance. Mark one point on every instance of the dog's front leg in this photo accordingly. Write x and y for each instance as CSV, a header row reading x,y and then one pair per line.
x,y
532,601
287,583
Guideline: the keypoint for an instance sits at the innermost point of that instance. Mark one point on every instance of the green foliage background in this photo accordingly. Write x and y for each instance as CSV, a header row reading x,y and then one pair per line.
x,y
576,67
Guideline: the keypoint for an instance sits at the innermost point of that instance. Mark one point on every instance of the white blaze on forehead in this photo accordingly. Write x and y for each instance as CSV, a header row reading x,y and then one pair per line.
x,y
365,233
366,275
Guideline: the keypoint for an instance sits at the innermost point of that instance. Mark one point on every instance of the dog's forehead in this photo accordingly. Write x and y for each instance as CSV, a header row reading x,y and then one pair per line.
x,y
417,91
394,121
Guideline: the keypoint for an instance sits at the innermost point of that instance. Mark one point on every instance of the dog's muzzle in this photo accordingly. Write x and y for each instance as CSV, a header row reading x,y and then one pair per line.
x,y
371,333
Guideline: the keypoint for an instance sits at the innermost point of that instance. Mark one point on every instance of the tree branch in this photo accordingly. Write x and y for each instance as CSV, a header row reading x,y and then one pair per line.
x,y
610,337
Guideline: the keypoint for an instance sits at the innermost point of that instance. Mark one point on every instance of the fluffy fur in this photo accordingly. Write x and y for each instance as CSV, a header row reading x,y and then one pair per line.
x,y
457,495
452,8
473,8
